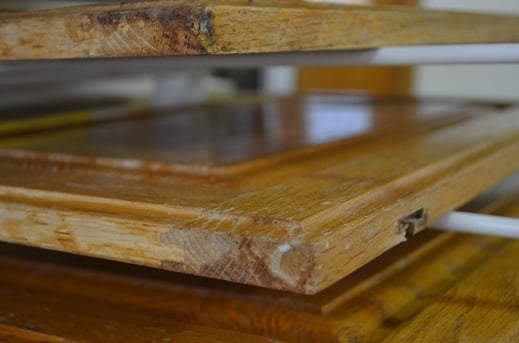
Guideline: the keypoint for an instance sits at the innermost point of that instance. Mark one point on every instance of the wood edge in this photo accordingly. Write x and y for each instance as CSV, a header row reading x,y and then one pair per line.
x,y
505,150
180,28
164,244
218,170
286,4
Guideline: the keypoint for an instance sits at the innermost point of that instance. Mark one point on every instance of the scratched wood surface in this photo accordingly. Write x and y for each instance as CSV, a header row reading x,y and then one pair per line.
x,y
298,217
437,286
179,27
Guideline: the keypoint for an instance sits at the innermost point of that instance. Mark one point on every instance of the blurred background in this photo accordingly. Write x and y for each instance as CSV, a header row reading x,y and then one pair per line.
x,y
22,83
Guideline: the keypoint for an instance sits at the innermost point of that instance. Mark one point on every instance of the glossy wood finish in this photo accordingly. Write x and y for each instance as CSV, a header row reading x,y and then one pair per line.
x,y
177,27
390,298
65,320
221,139
482,308
298,220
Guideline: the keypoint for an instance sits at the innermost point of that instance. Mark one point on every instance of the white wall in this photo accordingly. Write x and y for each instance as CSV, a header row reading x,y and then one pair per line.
x,y
480,81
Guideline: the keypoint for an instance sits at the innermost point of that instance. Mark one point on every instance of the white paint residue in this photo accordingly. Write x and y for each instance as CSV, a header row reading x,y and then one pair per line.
x,y
347,247
284,247
324,203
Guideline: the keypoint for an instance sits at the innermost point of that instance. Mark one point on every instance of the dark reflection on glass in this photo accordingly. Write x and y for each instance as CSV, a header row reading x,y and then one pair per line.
x,y
222,135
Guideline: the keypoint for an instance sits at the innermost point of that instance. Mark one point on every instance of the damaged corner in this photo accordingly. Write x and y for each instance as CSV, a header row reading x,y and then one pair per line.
x,y
413,223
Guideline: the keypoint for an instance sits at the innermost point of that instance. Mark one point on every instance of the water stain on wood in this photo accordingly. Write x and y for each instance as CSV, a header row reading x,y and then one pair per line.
x,y
182,30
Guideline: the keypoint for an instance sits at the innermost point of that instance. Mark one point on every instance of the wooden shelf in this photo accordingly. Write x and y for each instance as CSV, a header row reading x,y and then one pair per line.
x,y
289,194
180,28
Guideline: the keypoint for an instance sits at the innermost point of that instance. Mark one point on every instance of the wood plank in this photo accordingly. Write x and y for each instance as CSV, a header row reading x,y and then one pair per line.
x,y
483,308
365,307
14,334
298,222
87,322
179,27
358,307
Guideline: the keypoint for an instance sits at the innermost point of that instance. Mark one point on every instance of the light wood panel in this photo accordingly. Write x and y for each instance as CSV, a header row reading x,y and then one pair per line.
x,y
298,220
370,305
177,27
372,80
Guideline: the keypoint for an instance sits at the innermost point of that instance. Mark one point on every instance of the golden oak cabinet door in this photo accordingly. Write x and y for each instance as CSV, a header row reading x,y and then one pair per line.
x,y
236,192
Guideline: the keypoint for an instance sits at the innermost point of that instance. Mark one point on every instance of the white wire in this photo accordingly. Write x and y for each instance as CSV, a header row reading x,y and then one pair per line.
x,y
481,224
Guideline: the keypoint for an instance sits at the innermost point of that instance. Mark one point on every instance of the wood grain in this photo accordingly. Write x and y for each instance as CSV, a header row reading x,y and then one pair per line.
x,y
178,27
85,322
368,306
226,138
14,334
372,80
295,222
482,308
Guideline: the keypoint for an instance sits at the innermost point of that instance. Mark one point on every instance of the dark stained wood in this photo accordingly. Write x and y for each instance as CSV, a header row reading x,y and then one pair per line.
x,y
26,314
222,138
13,334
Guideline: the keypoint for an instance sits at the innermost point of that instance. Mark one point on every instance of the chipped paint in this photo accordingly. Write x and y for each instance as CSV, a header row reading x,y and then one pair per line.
x,y
284,248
